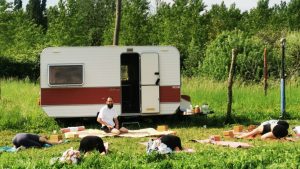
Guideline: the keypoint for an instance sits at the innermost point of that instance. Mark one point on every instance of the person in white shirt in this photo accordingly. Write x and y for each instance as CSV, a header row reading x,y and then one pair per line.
x,y
108,118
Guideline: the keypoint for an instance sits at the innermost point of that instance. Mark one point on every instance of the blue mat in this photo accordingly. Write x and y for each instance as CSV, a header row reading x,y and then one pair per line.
x,y
13,149
7,149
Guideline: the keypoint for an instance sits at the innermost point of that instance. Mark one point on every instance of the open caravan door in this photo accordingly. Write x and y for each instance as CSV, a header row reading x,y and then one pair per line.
x,y
150,83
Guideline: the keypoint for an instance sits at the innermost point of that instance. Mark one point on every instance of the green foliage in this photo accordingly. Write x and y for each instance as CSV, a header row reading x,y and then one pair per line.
x,y
188,25
17,5
19,107
20,45
222,19
218,54
181,25
293,14
293,54
249,65
79,23
20,69
35,10
134,25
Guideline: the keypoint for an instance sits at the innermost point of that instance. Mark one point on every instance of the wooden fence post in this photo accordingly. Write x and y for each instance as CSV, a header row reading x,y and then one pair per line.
x,y
265,72
230,83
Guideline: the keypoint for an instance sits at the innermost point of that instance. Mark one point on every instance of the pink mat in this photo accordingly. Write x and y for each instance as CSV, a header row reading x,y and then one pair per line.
x,y
232,144
147,132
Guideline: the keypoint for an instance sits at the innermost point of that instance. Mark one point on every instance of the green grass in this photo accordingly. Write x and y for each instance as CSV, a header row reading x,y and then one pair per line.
x,y
250,105
19,108
19,112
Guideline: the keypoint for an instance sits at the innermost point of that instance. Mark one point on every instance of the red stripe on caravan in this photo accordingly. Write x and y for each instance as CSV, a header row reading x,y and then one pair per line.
x,y
65,96
169,93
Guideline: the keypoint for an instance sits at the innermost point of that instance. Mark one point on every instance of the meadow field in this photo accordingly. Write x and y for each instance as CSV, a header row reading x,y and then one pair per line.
x,y
20,112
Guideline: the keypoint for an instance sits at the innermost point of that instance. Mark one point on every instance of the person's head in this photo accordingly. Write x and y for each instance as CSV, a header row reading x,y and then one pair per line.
x,y
109,102
43,138
284,124
90,143
280,131
171,141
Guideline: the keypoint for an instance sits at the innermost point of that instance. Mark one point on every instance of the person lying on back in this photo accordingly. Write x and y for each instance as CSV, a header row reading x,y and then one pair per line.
x,y
275,129
108,118
28,140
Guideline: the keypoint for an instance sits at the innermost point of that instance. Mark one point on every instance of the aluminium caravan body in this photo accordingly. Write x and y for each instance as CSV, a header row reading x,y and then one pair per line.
x,y
142,80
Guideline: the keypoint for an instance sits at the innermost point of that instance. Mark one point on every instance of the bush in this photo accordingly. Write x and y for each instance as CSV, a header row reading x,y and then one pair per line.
x,y
19,69
293,54
249,63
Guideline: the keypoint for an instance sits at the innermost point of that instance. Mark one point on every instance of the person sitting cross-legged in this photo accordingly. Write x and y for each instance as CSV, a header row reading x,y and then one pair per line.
x,y
108,118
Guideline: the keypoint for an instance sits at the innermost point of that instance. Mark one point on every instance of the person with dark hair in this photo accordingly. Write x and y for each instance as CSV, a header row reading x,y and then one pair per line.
x,y
91,143
164,144
31,140
108,118
270,129
173,142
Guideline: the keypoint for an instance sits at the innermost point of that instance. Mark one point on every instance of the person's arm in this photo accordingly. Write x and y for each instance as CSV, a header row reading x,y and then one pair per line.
x,y
268,135
99,120
258,130
177,149
44,140
116,123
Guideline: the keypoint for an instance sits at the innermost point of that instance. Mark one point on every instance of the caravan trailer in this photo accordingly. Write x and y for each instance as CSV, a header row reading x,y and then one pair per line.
x,y
142,80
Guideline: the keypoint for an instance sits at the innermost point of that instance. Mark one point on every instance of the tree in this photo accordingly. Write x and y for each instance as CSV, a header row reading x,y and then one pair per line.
x,y
118,22
294,14
293,54
17,5
80,22
222,18
181,25
36,11
258,18
134,27
249,60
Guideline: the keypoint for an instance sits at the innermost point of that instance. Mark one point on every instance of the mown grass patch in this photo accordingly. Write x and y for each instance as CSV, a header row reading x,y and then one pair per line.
x,y
127,153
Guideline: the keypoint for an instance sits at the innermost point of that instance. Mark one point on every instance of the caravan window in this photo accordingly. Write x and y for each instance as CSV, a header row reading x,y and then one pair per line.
x,y
65,74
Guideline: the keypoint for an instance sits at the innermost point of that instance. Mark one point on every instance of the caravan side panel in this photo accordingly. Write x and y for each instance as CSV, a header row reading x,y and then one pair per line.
x,y
101,65
101,79
169,80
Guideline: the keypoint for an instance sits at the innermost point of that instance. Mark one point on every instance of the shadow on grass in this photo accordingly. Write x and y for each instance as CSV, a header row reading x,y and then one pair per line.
x,y
173,121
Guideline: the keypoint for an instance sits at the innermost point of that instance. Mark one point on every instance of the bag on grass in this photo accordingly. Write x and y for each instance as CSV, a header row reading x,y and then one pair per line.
x,y
70,156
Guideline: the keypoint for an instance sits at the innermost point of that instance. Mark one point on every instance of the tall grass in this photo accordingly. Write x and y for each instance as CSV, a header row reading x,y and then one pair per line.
x,y
249,101
19,107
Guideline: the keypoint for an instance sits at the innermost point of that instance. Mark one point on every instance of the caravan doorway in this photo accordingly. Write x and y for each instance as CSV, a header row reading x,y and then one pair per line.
x,y
130,82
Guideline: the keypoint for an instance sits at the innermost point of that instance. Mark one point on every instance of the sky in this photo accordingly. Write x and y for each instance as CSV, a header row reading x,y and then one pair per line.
x,y
243,5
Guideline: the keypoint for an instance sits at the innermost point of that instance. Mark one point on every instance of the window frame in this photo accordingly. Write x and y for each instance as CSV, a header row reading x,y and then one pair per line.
x,y
66,84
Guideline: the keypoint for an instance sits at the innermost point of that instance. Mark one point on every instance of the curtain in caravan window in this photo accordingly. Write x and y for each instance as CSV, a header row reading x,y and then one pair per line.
x,y
66,74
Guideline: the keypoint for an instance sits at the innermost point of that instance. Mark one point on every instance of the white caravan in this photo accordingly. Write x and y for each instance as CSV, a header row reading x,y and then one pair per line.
x,y
142,80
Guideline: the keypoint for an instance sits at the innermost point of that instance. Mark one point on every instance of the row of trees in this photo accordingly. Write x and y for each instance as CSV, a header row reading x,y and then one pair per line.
x,y
204,37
